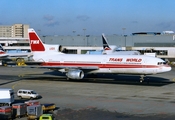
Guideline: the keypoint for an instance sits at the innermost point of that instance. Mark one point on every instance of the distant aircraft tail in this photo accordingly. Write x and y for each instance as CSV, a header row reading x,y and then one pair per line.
x,y
2,51
105,43
38,46
107,49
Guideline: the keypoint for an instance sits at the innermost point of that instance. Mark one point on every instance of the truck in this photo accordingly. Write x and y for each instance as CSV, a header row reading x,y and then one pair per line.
x,y
7,96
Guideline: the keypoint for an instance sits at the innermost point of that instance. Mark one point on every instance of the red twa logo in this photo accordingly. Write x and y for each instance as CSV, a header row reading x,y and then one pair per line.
x,y
34,41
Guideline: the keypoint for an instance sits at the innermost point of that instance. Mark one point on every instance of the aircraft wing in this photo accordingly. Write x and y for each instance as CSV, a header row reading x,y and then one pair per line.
x,y
19,54
3,55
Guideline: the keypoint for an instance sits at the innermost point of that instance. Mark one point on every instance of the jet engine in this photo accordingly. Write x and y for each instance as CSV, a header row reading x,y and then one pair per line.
x,y
60,48
75,74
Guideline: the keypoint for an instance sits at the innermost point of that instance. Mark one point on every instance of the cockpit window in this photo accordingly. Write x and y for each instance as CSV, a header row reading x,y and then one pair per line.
x,y
162,63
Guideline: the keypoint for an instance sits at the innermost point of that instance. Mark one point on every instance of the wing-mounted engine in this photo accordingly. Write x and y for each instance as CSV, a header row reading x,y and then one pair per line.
x,y
75,74
54,48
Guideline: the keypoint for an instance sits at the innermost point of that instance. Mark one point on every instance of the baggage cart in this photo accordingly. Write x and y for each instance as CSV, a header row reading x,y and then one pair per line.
x,y
32,102
19,110
48,107
34,112
5,112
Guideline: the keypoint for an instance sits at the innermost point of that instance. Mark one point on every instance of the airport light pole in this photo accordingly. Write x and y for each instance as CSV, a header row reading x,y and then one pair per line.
x,y
84,31
44,39
84,37
123,30
87,39
125,41
39,32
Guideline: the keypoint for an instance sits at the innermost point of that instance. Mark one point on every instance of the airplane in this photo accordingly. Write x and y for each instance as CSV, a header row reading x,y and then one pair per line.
x,y
112,49
77,65
4,54
6,57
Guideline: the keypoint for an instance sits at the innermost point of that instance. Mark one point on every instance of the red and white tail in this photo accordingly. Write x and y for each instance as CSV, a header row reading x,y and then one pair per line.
x,y
107,49
35,42
38,46
105,43
2,51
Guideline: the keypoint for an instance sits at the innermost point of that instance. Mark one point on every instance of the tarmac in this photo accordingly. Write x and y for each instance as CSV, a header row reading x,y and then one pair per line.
x,y
110,96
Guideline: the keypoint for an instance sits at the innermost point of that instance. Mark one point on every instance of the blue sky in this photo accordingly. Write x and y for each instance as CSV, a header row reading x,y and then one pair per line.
x,y
62,17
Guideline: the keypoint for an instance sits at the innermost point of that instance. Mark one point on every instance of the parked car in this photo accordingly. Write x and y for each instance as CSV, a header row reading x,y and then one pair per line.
x,y
29,94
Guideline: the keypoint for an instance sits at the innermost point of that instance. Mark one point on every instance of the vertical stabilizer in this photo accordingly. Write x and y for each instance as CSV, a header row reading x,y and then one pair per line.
x,y
2,51
105,43
35,42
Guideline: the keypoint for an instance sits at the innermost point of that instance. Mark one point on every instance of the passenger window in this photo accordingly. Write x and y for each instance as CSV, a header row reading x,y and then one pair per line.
x,y
24,92
29,93
20,91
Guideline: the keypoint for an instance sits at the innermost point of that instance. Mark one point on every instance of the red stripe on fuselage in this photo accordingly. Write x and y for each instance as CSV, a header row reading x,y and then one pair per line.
x,y
100,65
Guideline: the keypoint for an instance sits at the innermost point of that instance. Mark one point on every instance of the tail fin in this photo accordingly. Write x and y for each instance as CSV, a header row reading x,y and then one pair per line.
x,y
35,42
105,43
2,51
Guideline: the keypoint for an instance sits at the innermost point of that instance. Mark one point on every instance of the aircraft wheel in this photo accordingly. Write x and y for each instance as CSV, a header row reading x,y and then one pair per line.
x,y
20,61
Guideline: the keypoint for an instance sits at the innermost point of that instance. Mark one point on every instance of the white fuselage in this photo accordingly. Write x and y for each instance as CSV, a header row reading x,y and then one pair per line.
x,y
121,64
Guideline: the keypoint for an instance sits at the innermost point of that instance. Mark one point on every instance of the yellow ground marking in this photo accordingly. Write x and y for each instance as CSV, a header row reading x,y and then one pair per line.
x,y
21,76
13,87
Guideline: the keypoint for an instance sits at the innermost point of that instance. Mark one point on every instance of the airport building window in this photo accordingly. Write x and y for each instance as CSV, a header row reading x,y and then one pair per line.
x,y
162,52
69,51
20,44
158,52
84,51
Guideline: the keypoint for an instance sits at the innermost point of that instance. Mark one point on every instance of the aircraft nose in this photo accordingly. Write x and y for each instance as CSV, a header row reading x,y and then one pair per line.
x,y
167,68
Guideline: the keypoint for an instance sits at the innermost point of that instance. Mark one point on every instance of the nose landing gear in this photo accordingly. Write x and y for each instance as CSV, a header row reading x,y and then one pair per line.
x,y
142,78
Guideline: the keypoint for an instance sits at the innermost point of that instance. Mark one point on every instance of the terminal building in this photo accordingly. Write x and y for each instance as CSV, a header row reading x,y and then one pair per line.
x,y
162,43
14,31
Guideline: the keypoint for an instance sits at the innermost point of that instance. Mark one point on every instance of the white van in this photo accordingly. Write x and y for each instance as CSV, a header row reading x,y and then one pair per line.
x,y
6,96
30,94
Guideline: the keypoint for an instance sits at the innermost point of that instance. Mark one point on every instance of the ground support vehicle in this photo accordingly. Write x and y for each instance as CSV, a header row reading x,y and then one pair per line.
x,y
29,94
48,107
32,102
34,112
47,117
19,110
5,113
6,96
